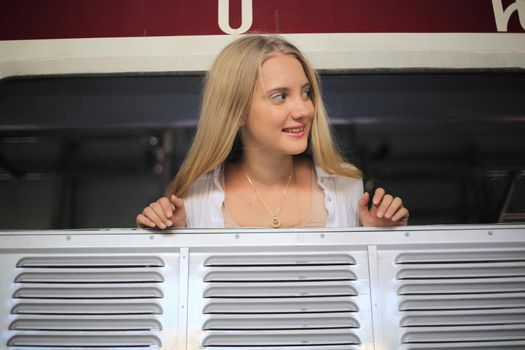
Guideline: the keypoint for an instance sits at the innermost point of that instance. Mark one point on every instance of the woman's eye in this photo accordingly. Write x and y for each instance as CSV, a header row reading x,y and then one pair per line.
x,y
307,94
278,97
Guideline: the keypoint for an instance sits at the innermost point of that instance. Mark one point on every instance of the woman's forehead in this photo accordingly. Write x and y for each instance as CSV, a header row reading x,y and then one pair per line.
x,y
282,69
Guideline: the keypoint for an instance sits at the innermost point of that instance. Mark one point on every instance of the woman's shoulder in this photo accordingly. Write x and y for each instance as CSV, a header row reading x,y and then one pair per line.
x,y
323,174
337,183
203,201
206,184
346,182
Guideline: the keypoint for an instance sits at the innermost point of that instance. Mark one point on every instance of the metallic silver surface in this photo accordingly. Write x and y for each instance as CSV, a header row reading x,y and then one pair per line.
x,y
415,287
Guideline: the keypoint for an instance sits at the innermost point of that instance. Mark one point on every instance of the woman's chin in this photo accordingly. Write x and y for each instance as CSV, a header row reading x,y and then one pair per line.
x,y
298,150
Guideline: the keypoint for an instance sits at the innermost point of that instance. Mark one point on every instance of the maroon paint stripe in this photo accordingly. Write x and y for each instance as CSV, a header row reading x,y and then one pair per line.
x,y
54,19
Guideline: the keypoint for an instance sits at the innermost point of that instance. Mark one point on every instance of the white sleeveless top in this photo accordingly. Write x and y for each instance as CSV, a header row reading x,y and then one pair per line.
x,y
204,200
315,218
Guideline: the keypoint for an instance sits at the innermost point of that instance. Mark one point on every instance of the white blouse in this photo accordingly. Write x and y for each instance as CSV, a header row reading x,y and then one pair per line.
x,y
205,197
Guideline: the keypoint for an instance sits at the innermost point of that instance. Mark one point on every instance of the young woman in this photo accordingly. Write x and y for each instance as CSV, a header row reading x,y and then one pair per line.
x,y
263,154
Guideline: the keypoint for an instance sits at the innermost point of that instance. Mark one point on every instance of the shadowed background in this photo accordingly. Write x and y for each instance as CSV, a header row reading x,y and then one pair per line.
x,y
92,151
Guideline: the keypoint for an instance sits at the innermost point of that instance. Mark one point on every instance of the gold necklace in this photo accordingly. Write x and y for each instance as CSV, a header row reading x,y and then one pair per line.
x,y
276,220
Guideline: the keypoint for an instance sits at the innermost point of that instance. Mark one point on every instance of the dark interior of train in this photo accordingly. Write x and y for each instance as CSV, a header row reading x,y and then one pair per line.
x,y
91,151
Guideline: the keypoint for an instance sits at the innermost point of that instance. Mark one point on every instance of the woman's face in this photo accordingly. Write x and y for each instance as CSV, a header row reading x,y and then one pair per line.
x,y
281,111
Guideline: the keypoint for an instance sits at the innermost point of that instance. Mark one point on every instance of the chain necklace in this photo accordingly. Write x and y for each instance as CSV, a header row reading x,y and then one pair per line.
x,y
276,220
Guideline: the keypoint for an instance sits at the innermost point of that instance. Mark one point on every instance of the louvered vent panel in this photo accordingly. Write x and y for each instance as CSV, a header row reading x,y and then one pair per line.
x,y
281,301
462,300
87,302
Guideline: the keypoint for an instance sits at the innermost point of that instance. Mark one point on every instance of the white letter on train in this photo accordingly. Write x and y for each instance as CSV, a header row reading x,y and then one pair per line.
x,y
246,17
503,16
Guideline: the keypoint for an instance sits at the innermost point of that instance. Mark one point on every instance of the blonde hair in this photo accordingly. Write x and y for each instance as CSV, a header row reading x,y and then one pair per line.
x,y
227,96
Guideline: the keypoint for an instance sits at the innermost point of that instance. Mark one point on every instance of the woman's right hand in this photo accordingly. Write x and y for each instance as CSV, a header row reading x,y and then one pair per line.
x,y
164,213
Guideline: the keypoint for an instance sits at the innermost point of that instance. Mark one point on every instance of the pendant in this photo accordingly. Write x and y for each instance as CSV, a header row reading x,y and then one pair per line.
x,y
276,222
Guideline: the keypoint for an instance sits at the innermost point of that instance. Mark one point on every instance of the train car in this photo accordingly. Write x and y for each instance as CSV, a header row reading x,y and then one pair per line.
x,y
423,97
99,104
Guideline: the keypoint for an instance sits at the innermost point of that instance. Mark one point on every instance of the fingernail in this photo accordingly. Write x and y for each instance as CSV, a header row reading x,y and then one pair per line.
x,y
379,214
169,214
169,223
162,226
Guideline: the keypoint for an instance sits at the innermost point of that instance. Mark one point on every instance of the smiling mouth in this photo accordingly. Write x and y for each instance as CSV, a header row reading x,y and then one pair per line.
x,y
294,130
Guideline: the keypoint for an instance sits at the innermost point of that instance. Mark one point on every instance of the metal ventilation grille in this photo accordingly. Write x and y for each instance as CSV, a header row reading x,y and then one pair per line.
x,y
281,301
87,302
462,300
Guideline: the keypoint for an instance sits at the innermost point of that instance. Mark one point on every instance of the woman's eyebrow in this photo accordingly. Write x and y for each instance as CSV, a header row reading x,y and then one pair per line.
x,y
278,89
285,89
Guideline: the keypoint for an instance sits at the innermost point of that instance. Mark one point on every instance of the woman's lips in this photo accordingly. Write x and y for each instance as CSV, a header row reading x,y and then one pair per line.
x,y
296,132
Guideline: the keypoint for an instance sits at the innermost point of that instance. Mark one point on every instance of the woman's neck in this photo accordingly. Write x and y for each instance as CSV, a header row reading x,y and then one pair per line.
x,y
266,169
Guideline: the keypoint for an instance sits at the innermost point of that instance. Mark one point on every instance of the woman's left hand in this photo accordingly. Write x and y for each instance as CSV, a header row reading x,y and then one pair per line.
x,y
386,210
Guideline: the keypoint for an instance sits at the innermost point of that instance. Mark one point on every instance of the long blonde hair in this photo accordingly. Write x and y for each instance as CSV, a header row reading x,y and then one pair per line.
x,y
227,96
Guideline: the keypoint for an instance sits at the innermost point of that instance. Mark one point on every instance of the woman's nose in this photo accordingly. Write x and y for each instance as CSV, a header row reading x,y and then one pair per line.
x,y
301,108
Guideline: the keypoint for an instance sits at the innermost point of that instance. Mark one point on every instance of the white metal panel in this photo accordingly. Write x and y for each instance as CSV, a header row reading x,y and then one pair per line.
x,y
279,298
407,288
451,296
88,299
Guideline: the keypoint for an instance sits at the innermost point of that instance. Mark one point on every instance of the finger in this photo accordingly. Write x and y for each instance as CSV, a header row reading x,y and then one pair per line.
x,y
363,202
143,221
396,204
153,216
159,211
378,195
166,206
177,202
385,203
179,219
401,215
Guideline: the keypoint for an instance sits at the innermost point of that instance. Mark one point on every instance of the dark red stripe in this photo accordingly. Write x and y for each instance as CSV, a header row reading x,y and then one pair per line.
x,y
52,19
